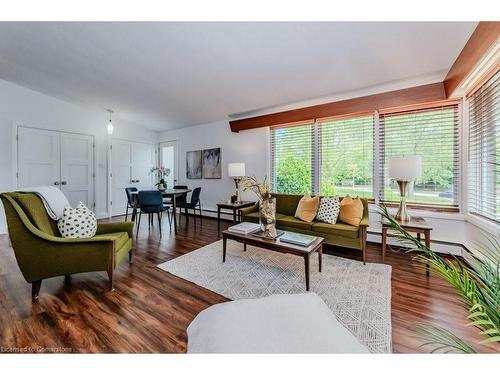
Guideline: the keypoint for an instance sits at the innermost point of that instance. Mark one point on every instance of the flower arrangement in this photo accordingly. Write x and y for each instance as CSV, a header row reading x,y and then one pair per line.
x,y
267,204
161,173
262,190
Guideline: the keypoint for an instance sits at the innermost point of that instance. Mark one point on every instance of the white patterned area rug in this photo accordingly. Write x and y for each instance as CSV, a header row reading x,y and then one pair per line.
x,y
359,295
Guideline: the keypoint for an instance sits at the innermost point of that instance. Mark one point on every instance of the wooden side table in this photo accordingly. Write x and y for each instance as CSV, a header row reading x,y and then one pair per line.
x,y
235,210
417,225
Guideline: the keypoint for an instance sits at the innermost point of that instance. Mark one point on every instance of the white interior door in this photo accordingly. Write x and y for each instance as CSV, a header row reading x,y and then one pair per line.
x,y
143,158
38,157
169,159
77,168
121,156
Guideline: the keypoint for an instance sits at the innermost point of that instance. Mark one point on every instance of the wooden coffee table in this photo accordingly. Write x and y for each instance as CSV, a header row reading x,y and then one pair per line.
x,y
278,246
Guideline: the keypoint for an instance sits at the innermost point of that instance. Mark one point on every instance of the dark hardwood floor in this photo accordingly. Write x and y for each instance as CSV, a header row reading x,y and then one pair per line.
x,y
150,309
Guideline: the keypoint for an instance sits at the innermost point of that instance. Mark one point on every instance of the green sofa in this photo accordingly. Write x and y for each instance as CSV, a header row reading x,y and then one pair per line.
x,y
339,234
42,253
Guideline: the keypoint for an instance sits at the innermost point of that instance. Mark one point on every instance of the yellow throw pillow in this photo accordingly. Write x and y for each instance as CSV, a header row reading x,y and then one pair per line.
x,y
351,211
307,208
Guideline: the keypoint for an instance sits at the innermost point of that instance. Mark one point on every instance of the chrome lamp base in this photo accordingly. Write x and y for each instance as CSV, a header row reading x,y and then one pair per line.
x,y
237,184
403,214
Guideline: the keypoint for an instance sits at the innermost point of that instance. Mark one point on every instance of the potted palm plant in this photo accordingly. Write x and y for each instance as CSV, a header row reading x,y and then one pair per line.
x,y
475,276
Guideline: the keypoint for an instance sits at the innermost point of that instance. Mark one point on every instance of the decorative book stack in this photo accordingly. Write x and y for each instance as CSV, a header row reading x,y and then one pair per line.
x,y
244,228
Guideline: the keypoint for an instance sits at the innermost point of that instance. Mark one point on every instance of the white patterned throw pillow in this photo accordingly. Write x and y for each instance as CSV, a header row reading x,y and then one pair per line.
x,y
329,208
79,222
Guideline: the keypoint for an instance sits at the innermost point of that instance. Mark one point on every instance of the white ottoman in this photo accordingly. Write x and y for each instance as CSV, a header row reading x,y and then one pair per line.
x,y
283,323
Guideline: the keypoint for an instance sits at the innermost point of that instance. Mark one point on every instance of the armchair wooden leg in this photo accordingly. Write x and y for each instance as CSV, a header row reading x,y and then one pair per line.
x,y
130,256
35,289
110,275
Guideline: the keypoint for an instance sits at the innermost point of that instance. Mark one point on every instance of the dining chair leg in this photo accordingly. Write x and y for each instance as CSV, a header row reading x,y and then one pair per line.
x,y
170,219
201,216
159,222
126,213
149,221
138,226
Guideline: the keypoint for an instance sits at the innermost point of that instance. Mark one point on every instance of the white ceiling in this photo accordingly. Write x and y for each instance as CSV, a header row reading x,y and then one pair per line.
x,y
168,75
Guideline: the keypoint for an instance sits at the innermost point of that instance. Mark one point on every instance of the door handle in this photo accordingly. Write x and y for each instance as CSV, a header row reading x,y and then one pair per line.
x,y
56,183
63,182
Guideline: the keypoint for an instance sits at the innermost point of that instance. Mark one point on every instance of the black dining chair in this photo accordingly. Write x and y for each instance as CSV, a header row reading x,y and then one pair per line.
x,y
180,198
130,199
151,202
194,204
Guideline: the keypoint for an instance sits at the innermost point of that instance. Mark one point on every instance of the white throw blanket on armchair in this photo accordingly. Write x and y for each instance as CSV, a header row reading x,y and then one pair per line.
x,y
53,199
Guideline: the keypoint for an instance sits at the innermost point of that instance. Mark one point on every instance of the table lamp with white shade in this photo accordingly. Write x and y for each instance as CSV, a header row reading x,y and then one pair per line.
x,y
236,171
404,170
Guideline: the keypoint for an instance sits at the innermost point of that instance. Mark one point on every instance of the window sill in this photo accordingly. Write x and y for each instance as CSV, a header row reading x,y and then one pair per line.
x,y
484,224
423,212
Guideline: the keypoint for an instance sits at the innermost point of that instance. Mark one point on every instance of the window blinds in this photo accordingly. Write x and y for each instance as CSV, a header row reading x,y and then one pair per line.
x,y
347,157
293,160
484,151
432,134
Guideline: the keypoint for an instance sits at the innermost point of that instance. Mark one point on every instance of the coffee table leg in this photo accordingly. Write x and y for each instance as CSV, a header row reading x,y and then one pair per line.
x,y
306,261
320,256
244,247
224,240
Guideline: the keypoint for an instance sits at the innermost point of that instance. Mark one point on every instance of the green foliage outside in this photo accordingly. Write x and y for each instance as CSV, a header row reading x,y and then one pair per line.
x,y
293,176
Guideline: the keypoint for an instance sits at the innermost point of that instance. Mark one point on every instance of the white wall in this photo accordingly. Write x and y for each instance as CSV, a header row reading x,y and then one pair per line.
x,y
21,106
249,147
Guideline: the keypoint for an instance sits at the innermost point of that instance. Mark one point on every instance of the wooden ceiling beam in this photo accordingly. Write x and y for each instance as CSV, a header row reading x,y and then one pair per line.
x,y
484,37
410,96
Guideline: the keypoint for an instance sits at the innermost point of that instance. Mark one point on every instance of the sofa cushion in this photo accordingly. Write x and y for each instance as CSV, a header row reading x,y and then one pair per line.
x,y
339,229
351,210
286,204
328,211
292,222
307,208
33,207
120,238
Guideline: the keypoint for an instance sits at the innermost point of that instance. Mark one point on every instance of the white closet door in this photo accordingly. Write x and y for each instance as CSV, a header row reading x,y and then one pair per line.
x,y
38,157
143,158
77,167
121,152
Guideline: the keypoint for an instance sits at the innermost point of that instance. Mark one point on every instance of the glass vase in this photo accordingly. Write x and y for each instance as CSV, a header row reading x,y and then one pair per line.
x,y
267,217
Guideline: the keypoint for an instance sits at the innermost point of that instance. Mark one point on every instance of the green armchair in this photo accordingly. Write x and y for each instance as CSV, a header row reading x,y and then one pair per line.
x,y
42,253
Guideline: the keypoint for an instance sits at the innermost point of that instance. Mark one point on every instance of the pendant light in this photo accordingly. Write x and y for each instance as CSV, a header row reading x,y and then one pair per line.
x,y
110,124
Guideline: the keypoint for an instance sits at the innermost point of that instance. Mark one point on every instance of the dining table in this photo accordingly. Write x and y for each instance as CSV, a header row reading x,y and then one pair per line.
x,y
167,193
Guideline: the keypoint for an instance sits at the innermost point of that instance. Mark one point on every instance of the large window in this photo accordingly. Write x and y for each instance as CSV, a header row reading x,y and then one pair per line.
x,y
350,156
347,157
328,158
484,151
292,151
431,134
